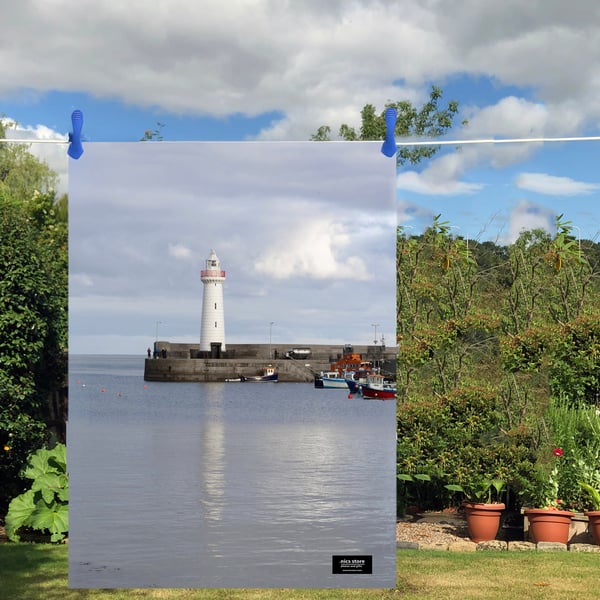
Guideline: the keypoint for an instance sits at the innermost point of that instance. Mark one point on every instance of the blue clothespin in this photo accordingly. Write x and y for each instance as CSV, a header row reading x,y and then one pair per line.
x,y
75,148
389,146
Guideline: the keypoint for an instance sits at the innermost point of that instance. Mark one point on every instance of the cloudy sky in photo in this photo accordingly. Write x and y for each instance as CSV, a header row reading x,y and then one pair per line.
x,y
275,70
304,231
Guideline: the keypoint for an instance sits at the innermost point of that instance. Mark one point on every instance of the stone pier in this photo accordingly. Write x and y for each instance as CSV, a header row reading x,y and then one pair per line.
x,y
184,362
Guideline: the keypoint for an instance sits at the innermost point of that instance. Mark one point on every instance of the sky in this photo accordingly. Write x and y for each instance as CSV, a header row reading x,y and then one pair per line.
x,y
275,70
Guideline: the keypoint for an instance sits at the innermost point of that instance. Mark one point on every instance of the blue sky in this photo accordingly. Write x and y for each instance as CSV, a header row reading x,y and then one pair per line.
x,y
273,71
110,120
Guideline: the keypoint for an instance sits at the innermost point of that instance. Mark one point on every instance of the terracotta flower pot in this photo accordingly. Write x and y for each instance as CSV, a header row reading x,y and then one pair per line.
x,y
594,524
546,525
483,520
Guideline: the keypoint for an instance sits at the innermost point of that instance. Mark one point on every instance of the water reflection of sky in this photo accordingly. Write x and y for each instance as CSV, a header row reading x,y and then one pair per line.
x,y
227,485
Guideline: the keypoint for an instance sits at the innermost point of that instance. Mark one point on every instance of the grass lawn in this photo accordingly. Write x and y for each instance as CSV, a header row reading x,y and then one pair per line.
x,y
37,571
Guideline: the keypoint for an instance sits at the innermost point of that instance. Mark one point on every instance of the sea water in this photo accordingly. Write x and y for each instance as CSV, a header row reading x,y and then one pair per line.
x,y
176,484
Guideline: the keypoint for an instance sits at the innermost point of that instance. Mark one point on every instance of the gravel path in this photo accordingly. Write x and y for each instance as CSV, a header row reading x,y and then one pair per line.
x,y
433,528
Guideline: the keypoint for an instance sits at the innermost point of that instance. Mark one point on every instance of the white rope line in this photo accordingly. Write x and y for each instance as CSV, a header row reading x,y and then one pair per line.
x,y
499,141
16,141
411,143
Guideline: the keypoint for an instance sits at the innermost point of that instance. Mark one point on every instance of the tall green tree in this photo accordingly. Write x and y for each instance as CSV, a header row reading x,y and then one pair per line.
x,y
431,121
20,172
493,335
33,307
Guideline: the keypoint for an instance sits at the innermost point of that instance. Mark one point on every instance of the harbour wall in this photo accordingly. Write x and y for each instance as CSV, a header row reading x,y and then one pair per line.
x,y
180,362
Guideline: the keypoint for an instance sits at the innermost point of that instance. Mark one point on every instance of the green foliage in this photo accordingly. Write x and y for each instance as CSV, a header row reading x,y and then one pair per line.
x,y
429,121
458,437
20,171
418,491
480,489
45,506
593,494
33,296
153,134
575,429
525,320
574,369
569,453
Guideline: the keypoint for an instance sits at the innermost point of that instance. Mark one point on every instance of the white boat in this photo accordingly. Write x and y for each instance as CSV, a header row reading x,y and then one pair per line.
x,y
330,379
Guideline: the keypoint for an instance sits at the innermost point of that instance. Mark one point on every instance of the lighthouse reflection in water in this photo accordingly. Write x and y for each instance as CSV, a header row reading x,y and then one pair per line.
x,y
224,484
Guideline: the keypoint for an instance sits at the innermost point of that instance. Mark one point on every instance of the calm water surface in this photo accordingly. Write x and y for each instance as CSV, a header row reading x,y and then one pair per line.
x,y
224,484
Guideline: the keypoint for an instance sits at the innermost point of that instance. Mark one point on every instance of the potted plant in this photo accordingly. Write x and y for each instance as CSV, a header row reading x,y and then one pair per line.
x,y
483,509
594,514
548,521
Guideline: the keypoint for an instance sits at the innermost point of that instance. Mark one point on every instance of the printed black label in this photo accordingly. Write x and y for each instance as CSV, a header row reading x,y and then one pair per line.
x,y
345,564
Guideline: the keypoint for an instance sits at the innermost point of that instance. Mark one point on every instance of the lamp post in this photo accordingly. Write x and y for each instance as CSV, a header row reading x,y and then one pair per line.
x,y
157,324
375,325
270,332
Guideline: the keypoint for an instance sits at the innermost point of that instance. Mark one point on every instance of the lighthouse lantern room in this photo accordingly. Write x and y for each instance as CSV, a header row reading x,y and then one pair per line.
x,y
212,332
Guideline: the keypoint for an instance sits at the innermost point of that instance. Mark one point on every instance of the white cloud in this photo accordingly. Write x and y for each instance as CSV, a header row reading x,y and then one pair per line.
x,y
179,251
407,212
315,62
527,215
543,183
81,279
425,183
510,117
315,250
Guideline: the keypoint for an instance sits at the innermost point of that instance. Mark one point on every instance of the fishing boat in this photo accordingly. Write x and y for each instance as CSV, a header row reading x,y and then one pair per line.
x,y
346,372
356,379
377,388
352,382
269,374
330,379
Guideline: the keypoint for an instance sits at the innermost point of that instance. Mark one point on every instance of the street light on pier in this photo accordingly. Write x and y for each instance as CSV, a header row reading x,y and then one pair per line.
x,y
375,325
157,324
270,332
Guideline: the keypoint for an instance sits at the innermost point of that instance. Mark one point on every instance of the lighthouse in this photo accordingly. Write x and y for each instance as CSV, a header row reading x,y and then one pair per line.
x,y
212,332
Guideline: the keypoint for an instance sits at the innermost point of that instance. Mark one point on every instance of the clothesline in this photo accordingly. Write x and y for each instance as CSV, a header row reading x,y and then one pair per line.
x,y
443,142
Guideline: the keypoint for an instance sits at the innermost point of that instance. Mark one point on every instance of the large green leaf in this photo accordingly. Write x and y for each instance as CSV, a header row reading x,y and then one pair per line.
x,y
58,458
54,518
63,494
38,465
51,481
19,513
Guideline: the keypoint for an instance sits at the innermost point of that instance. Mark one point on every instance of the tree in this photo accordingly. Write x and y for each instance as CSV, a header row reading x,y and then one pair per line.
x,y
33,314
430,121
20,171
153,134
517,326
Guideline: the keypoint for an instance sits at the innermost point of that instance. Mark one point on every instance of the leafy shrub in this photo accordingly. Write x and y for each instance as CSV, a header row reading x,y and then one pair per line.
x,y
44,507
459,437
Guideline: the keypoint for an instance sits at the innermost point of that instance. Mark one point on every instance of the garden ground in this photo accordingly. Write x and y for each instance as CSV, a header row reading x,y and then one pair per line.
x,y
39,571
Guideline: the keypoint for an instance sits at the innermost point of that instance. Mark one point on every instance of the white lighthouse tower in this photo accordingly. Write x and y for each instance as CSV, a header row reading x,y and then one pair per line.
x,y
213,316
